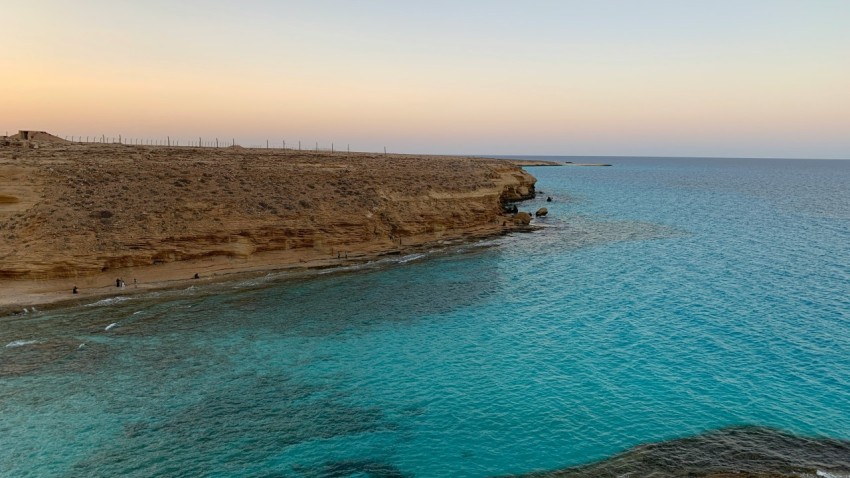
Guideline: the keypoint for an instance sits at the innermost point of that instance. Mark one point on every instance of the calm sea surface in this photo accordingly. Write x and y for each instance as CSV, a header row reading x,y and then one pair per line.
x,y
662,298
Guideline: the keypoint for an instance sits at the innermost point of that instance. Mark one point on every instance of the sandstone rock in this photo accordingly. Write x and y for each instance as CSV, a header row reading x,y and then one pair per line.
x,y
541,212
71,210
519,191
522,218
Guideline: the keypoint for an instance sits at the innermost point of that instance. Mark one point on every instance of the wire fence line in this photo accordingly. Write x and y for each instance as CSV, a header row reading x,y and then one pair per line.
x,y
201,142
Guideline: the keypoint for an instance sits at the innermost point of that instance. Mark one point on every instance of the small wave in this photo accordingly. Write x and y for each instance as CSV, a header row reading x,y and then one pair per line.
x,y
244,285
410,258
21,343
107,302
825,474
352,267
111,326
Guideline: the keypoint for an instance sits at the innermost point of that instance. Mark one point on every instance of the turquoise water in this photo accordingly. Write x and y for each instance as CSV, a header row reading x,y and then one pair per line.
x,y
662,298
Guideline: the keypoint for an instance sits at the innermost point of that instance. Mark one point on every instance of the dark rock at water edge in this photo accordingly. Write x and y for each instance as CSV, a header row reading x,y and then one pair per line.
x,y
741,452
541,212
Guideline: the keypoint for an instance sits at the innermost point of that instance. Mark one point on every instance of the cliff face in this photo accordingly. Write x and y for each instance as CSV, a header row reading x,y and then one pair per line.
x,y
70,210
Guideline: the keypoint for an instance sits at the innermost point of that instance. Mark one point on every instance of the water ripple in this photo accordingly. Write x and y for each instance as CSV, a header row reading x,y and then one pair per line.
x,y
663,299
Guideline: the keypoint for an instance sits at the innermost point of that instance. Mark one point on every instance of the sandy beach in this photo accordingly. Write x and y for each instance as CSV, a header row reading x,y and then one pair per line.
x,y
86,215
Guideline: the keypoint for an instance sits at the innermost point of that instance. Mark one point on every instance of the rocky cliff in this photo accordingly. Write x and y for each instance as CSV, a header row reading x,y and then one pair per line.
x,y
71,210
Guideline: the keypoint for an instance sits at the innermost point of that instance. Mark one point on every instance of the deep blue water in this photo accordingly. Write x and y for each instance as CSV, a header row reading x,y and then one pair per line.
x,y
662,298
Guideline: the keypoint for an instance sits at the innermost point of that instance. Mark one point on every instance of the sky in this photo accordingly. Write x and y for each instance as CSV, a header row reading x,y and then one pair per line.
x,y
726,78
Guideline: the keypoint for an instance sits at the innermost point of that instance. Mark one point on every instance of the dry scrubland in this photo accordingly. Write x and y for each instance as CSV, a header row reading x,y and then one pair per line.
x,y
73,210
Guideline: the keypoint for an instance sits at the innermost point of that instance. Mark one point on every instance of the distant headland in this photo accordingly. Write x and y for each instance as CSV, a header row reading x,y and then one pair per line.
x,y
85,215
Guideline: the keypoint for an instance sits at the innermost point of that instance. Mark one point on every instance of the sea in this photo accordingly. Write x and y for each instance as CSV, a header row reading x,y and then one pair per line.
x,y
697,309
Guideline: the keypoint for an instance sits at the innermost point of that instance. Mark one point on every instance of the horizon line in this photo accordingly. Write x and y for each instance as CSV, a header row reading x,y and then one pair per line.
x,y
497,155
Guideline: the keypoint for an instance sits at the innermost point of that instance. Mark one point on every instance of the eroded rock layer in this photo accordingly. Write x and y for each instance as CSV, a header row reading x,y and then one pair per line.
x,y
69,210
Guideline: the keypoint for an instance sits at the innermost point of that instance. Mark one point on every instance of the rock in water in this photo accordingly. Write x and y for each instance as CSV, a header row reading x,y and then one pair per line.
x,y
541,212
523,218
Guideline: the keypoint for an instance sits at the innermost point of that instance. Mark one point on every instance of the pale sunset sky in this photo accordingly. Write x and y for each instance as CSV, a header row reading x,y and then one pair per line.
x,y
733,78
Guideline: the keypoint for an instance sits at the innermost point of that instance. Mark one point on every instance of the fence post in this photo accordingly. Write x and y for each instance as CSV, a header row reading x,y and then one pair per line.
x,y
332,148
216,142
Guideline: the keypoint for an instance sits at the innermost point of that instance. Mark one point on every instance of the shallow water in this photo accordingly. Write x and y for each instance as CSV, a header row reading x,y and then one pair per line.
x,y
663,298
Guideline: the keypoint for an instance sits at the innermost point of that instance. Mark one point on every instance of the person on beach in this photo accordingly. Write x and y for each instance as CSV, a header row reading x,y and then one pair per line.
x,y
74,290
197,276
118,283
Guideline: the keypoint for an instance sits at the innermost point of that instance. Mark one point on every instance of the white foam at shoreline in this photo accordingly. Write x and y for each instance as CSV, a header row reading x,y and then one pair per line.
x,y
21,343
109,301
411,257
825,474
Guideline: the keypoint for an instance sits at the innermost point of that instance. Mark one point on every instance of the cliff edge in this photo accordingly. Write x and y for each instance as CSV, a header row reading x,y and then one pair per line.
x,y
69,210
